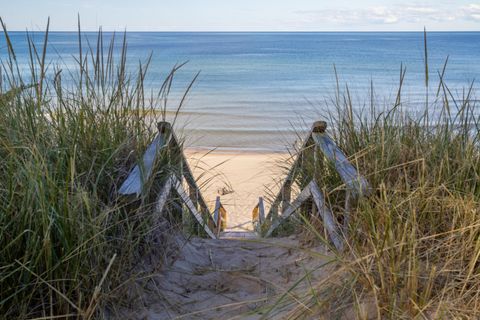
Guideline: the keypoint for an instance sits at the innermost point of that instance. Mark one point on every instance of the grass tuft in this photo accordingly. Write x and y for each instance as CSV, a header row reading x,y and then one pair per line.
x,y
68,138
412,247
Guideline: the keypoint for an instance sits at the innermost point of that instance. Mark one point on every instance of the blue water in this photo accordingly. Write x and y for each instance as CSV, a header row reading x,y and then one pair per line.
x,y
254,86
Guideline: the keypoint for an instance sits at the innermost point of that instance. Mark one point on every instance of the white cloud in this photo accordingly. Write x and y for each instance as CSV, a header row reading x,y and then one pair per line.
x,y
349,16
421,10
381,15
472,11
398,13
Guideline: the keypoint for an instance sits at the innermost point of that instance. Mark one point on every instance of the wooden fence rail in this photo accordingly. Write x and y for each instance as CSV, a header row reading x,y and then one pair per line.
x,y
356,187
144,182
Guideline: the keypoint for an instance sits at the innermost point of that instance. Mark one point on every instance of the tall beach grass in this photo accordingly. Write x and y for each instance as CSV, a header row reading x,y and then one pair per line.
x,y
413,246
68,137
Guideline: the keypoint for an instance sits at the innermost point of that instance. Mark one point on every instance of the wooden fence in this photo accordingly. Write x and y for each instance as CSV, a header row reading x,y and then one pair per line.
x,y
323,148
145,182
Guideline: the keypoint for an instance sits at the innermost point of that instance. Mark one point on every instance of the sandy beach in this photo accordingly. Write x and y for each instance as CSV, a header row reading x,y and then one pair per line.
x,y
239,178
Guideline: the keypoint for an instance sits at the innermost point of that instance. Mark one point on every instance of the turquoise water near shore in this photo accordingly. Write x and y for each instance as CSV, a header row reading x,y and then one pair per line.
x,y
255,87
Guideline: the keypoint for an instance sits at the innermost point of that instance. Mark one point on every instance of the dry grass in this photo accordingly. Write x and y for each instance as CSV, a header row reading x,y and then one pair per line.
x,y
413,246
68,138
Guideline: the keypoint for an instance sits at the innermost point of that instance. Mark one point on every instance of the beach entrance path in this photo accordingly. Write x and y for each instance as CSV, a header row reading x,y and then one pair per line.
x,y
229,279
239,178
235,273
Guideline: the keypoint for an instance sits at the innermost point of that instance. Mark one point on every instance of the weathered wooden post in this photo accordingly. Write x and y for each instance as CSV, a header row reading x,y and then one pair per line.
x,y
220,216
286,196
164,127
258,216
261,210
318,127
217,215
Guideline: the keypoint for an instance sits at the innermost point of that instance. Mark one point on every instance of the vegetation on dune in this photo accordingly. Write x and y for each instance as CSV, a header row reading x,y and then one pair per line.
x,y
67,139
413,246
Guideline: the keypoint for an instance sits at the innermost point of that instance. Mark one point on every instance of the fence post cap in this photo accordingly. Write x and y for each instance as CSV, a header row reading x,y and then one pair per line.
x,y
164,126
319,126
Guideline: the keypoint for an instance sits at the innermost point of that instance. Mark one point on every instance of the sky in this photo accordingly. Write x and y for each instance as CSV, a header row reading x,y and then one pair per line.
x,y
243,15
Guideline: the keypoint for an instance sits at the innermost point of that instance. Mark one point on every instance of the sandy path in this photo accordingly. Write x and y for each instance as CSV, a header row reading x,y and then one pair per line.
x,y
227,279
242,176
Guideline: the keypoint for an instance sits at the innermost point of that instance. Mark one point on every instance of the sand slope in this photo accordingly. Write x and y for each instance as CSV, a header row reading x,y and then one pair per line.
x,y
226,279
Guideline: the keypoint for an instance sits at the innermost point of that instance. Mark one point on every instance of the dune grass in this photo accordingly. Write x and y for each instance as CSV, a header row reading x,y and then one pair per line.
x,y
68,137
413,246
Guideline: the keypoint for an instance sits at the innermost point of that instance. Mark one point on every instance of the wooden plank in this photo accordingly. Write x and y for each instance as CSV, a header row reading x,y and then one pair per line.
x,y
242,235
257,226
348,173
286,194
258,215
302,197
261,211
219,216
193,192
223,218
162,198
135,181
327,216
216,213
255,214
191,207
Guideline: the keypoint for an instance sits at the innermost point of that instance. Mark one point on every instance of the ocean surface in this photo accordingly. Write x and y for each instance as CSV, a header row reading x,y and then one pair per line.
x,y
255,89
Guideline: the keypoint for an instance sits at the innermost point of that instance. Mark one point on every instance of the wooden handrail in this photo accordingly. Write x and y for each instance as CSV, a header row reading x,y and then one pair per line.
x,y
311,190
136,182
356,185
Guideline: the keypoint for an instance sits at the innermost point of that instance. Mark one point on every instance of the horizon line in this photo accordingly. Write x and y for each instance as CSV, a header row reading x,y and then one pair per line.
x,y
253,31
